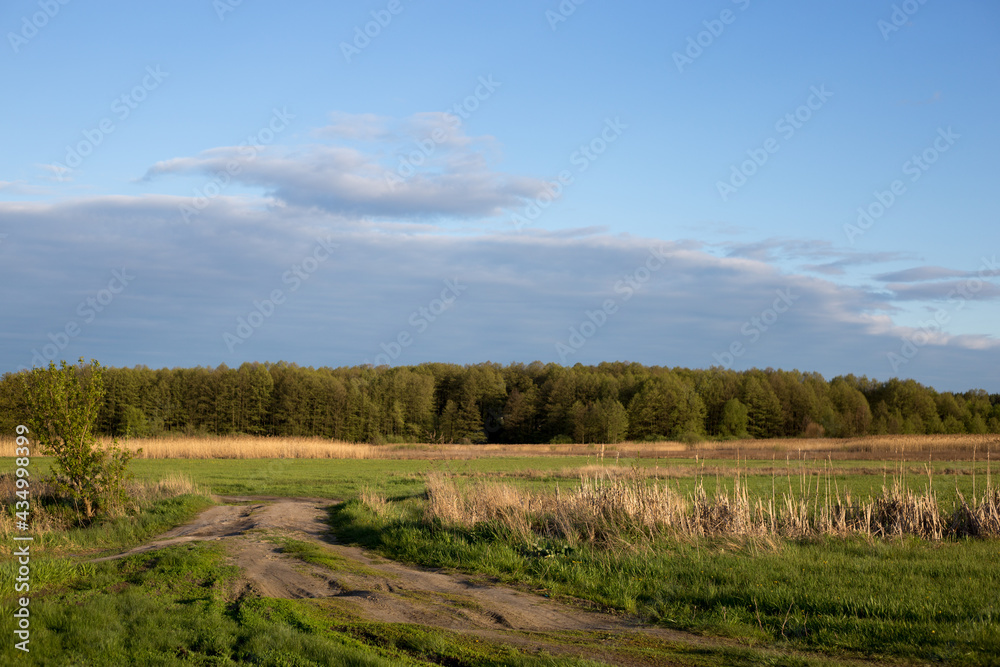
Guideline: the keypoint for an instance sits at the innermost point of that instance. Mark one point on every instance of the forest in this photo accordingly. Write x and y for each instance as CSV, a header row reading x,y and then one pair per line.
x,y
518,403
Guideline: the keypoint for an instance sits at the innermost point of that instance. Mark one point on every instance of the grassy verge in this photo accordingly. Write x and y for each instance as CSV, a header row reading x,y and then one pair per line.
x,y
907,599
179,606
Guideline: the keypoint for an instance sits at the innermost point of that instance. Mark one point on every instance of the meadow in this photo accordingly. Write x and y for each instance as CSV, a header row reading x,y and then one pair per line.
x,y
878,550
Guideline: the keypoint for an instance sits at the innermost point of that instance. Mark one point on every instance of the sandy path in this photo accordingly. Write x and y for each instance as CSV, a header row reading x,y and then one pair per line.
x,y
381,590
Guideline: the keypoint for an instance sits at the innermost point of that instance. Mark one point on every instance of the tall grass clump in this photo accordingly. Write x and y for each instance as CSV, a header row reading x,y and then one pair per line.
x,y
375,501
630,510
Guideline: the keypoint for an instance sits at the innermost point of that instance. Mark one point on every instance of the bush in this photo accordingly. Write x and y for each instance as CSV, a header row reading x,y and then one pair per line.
x,y
63,405
691,438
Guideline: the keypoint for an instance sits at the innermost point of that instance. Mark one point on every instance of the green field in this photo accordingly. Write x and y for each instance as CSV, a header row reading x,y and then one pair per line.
x,y
819,601
343,478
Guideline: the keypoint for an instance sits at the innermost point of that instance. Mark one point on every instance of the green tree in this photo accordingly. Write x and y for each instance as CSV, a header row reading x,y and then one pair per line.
x,y
62,410
734,419
136,425
519,415
851,415
613,419
764,418
666,407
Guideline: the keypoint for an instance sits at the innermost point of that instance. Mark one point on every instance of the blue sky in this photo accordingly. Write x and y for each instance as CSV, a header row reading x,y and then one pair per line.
x,y
713,158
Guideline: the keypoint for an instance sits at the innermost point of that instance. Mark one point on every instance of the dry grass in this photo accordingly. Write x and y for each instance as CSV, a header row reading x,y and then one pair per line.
x,y
962,447
249,447
375,501
889,447
623,510
41,520
46,516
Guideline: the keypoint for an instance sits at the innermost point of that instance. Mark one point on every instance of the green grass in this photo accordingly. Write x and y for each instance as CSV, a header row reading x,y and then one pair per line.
x,y
123,532
179,606
899,601
311,552
909,599
171,608
344,478
51,567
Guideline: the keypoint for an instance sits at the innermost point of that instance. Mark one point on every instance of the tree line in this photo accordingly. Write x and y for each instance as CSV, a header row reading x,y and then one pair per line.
x,y
517,403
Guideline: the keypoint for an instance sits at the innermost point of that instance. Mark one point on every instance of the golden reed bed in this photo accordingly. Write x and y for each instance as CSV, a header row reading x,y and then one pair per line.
x,y
625,511
886,447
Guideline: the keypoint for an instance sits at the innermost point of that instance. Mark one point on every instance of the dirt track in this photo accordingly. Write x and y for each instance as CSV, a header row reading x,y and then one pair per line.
x,y
381,590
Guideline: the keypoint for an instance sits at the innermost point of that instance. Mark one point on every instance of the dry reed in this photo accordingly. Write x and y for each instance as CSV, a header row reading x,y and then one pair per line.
x,y
623,510
888,447
249,447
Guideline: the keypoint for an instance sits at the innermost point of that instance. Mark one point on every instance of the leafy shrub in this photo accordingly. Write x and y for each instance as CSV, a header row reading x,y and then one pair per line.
x,y
62,405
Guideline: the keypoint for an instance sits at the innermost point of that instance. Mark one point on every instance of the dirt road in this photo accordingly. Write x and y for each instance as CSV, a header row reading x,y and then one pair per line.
x,y
380,590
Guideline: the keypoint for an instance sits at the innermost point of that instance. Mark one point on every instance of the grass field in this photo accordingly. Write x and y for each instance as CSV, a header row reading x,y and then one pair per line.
x,y
821,599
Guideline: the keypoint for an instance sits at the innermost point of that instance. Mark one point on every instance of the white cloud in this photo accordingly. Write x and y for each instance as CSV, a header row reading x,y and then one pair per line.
x,y
921,273
355,127
525,292
944,290
422,166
